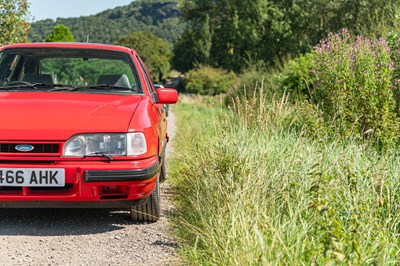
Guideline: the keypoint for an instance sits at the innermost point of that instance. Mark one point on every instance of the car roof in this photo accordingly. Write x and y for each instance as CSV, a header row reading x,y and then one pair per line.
x,y
69,45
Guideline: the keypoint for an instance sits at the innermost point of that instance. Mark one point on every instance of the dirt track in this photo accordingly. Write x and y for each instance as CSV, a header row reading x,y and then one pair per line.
x,y
86,237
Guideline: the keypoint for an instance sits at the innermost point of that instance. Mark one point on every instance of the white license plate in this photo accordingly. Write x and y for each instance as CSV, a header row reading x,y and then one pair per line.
x,y
32,177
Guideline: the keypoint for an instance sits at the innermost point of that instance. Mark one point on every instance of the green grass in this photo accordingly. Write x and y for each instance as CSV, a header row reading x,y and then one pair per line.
x,y
261,194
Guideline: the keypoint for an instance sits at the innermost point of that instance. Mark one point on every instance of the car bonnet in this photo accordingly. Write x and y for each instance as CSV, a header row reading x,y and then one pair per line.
x,y
59,115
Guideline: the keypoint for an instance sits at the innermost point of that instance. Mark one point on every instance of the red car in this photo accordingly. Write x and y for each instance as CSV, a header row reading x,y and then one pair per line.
x,y
81,126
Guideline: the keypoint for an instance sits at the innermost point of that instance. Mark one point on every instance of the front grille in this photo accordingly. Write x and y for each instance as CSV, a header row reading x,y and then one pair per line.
x,y
38,148
34,190
52,189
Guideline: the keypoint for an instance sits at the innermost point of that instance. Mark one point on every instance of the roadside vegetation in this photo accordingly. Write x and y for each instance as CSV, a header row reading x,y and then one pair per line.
x,y
253,191
297,162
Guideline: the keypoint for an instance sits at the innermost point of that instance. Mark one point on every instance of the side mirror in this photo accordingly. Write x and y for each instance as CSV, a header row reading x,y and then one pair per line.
x,y
167,96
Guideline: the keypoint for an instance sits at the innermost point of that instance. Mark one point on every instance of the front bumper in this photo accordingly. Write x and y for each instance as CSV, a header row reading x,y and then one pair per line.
x,y
120,204
121,175
88,184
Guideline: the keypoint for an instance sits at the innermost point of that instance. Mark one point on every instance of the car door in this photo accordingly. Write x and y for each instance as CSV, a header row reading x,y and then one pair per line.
x,y
158,108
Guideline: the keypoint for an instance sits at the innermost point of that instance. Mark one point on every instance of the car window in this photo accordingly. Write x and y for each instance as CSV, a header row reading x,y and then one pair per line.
x,y
149,81
9,67
69,67
85,71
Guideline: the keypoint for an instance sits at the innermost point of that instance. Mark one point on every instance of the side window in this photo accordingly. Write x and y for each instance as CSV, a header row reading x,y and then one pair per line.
x,y
149,81
13,68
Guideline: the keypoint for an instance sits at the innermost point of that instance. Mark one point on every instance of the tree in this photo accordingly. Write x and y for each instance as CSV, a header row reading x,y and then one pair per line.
x,y
60,33
228,30
193,47
243,31
13,26
155,52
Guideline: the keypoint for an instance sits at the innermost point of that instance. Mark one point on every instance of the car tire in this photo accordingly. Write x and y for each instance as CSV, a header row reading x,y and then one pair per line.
x,y
163,171
150,211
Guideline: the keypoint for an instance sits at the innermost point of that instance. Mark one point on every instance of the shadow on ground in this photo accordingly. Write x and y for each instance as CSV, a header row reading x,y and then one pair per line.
x,y
53,222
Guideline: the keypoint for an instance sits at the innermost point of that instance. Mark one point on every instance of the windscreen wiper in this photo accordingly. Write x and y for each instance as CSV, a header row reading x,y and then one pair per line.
x,y
34,86
91,87
102,87
100,154
21,86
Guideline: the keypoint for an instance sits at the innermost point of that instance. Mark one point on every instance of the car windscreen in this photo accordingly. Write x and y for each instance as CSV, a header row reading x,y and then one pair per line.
x,y
48,68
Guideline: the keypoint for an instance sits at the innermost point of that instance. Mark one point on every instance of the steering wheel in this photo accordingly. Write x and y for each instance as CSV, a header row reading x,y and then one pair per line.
x,y
17,82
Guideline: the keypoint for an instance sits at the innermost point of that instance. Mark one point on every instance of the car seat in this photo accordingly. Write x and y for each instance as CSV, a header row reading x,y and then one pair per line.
x,y
117,80
38,78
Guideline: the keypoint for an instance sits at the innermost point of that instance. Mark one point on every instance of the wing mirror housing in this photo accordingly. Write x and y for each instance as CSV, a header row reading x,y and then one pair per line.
x,y
167,95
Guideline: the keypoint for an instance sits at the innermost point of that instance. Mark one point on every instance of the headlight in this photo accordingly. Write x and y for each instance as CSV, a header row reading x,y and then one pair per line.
x,y
136,144
114,144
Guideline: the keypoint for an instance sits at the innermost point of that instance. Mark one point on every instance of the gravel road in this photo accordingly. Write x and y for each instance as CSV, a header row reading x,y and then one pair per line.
x,y
87,237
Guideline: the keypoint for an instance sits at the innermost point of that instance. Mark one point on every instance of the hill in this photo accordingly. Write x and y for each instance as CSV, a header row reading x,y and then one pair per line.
x,y
157,16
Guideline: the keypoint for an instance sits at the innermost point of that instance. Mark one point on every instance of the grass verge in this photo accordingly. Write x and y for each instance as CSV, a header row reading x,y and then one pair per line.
x,y
263,195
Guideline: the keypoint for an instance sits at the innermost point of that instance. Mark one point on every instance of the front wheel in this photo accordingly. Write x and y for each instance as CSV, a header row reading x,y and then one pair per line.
x,y
163,171
150,211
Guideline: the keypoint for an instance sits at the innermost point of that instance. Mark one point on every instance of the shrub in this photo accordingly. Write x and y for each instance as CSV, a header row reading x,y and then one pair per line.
x,y
293,76
206,80
353,87
393,40
296,76
250,82
247,82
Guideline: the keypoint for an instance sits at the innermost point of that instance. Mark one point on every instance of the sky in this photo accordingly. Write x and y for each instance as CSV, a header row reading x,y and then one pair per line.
x,y
43,9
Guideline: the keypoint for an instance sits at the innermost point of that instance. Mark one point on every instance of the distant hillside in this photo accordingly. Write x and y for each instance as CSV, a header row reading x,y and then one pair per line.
x,y
157,16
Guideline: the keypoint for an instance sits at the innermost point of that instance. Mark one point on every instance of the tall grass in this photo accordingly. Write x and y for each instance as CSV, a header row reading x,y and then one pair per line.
x,y
261,194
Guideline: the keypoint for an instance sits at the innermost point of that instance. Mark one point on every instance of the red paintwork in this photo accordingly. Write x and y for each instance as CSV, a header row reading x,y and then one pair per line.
x,y
53,117
91,46
167,96
59,115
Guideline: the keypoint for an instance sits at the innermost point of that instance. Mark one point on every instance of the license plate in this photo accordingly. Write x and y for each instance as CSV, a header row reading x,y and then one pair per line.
x,y
32,177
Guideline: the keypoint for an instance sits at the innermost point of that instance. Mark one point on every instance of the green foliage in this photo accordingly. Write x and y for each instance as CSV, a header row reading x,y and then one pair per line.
x,y
193,47
353,86
260,194
250,82
60,33
13,25
393,40
230,30
158,17
346,88
268,30
259,107
206,80
296,76
78,71
292,77
155,52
